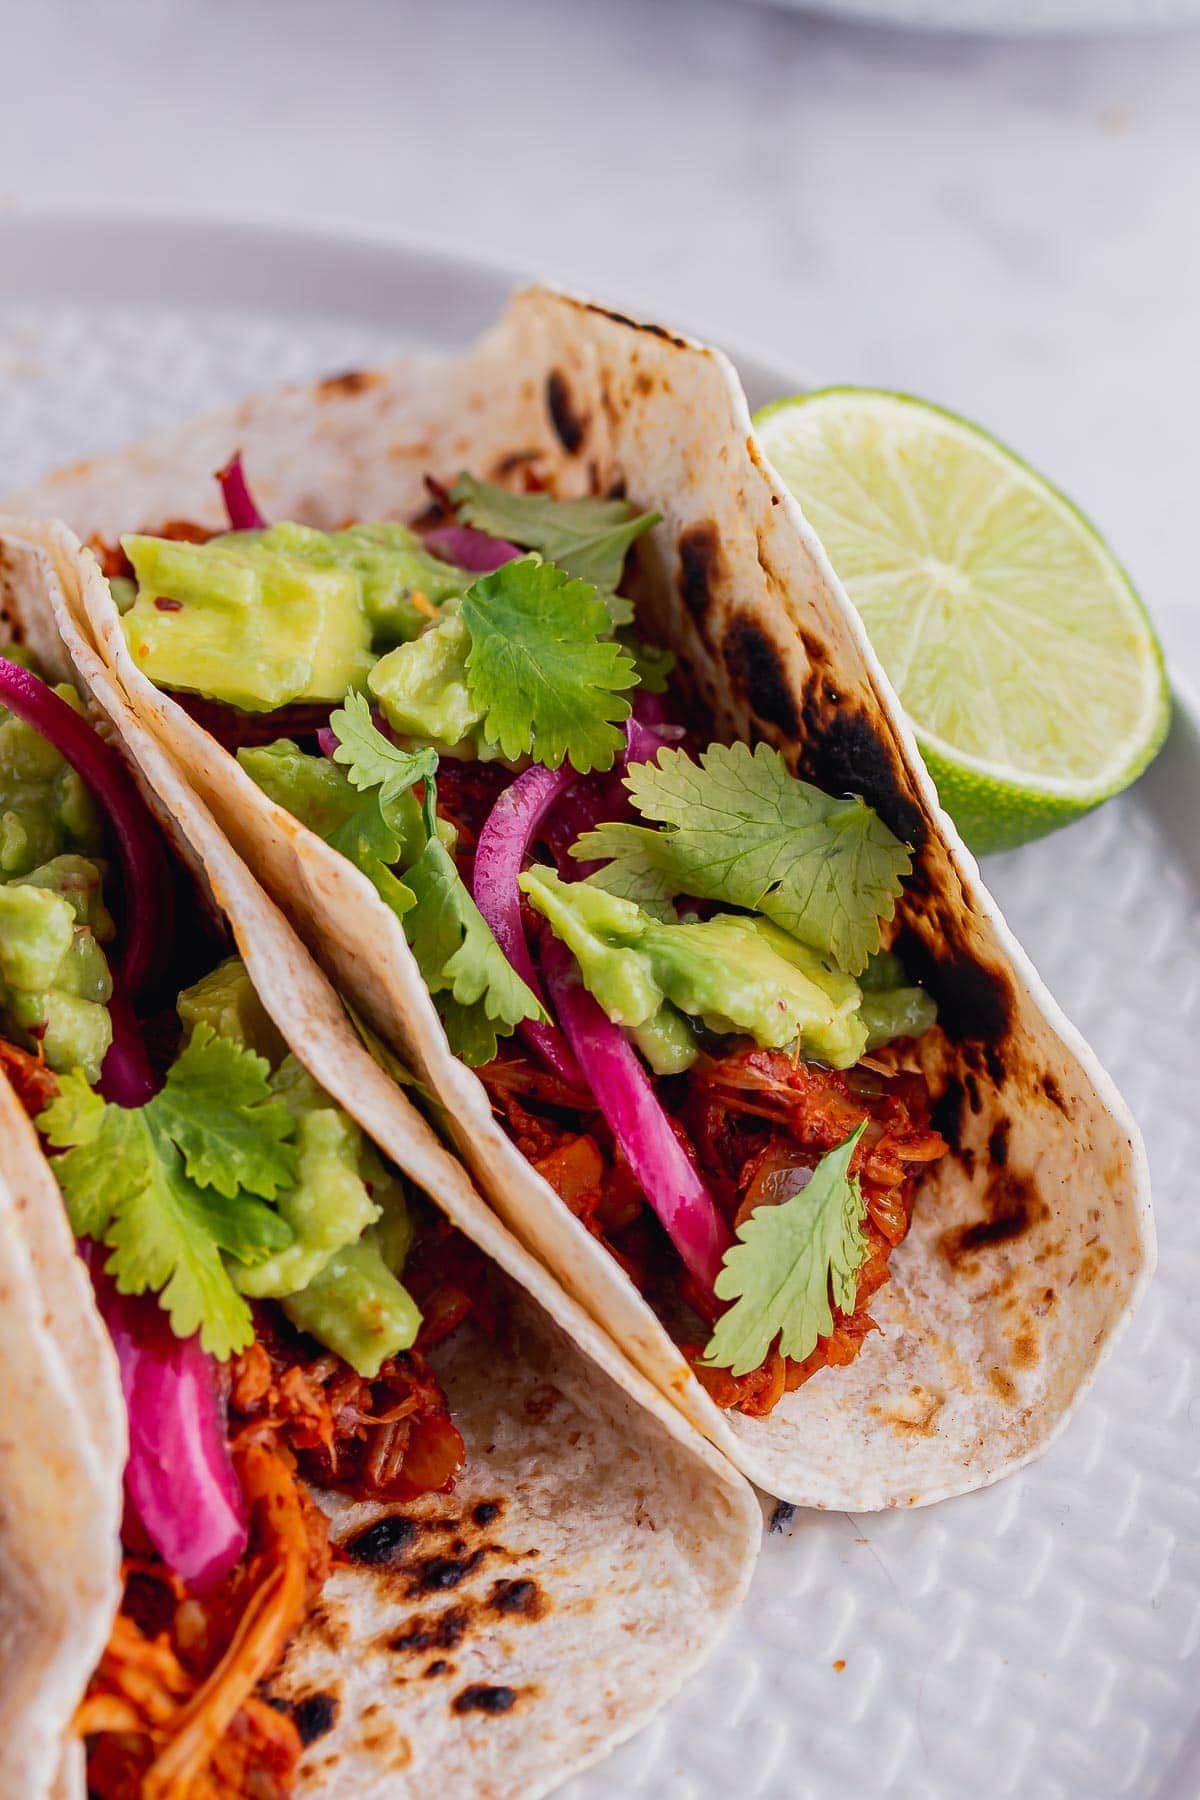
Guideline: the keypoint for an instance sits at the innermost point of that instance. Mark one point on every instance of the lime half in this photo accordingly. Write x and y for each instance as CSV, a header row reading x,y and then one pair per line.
x,y
1022,655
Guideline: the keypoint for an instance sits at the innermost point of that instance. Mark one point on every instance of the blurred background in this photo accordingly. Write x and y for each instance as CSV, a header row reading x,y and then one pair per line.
x,y
1006,224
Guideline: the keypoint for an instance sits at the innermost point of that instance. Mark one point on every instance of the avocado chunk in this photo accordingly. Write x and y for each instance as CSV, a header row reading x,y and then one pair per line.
x,y
734,973
313,789
55,983
667,1041
337,1278
244,624
357,1308
225,998
45,809
395,572
423,692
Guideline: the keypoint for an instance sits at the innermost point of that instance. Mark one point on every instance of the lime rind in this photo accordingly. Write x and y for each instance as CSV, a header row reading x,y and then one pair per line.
x,y
995,660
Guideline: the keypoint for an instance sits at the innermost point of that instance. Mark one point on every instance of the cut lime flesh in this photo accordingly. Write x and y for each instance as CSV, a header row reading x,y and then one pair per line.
x,y
1019,649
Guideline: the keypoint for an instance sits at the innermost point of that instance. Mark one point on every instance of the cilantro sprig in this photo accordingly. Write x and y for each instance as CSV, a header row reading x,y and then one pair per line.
x,y
789,1260
546,677
171,1185
588,538
739,828
475,988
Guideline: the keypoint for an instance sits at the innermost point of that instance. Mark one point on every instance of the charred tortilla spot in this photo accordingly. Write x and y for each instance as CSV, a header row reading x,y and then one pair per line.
x,y
479,1697
946,1113
701,566
568,424
1054,1094
314,1715
620,318
845,752
437,1574
383,1543
444,1631
522,1598
486,1511
350,381
757,669
1003,1384
439,1666
973,1000
998,1142
1013,1208
1025,1349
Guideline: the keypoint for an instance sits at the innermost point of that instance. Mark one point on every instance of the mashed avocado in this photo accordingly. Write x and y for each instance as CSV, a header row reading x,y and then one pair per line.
x,y
395,574
54,980
337,1280
245,624
422,688
734,973
45,809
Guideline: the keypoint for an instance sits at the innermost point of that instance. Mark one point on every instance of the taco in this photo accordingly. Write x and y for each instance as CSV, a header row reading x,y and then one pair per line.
x,y
540,711
301,1488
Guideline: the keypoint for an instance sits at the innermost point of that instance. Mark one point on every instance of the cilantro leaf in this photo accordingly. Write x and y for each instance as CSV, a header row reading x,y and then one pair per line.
x,y
162,1185
372,844
744,831
478,992
371,759
588,538
217,1106
786,1263
547,683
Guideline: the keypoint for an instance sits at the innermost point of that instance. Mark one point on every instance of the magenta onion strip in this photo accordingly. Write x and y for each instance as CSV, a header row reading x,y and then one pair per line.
x,y
503,844
179,1479
668,1178
239,502
475,551
145,881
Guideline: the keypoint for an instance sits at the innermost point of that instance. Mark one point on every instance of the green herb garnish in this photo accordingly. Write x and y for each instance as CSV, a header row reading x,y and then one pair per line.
x,y
170,1185
787,1262
742,830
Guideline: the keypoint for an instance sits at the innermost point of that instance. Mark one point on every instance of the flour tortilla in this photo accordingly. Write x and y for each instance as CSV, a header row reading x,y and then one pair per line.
x,y
636,1541
1033,1240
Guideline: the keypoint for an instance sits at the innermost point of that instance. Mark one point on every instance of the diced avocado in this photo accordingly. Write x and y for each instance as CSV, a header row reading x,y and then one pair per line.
x,y
328,1207
357,1308
884,971
422,687
891,1007
80,882
36,929
395,572
312,788
225,998
667,1041
900,1012
45,809
735,973
603,933
54,980
244,624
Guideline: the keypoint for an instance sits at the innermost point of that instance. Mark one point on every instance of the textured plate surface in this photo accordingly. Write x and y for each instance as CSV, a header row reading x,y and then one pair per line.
x,y
1041,1639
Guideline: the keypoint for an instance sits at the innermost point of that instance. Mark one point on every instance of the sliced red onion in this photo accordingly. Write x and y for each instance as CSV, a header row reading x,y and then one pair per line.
x,y
239,502
476,551
126,1078
145,879
625,1094
179,1478
503,845
600,798
327,741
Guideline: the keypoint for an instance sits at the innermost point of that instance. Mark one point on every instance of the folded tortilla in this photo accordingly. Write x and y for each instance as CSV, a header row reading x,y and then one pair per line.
x,y
1032,1240
626,1539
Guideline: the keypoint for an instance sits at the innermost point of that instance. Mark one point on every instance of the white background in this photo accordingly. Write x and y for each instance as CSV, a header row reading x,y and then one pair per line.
x,y
1009,227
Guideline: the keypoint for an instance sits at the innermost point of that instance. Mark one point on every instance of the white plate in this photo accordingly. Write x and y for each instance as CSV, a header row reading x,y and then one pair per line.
x,y
1008,18
1041,1639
